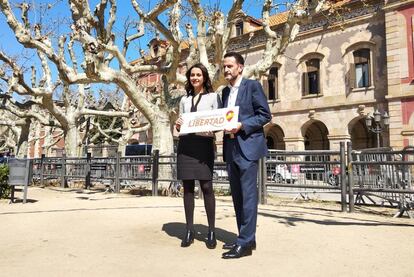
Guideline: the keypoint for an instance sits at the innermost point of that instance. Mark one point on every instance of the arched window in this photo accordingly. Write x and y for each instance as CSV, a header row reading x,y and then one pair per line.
x,y
360,69
239,28
272,84
311,78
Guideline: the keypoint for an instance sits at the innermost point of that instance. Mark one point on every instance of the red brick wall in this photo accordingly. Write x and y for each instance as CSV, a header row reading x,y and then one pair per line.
x,y
408,13
407,106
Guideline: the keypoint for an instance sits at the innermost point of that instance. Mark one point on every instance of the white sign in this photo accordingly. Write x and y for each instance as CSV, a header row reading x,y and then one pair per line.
x,y
205,121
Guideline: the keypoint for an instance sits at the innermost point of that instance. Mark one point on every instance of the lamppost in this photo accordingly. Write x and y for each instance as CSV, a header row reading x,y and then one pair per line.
x,y
377,123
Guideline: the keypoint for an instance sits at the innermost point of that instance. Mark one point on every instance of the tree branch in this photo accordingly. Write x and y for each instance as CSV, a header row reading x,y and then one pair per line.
x,y
152,17
22,34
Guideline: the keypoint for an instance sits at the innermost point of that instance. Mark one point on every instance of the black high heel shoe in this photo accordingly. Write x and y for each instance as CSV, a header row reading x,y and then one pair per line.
x,y
188,239
211,240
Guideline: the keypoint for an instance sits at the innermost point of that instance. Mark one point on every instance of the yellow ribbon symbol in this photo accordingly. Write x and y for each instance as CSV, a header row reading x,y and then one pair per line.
x,y
229,115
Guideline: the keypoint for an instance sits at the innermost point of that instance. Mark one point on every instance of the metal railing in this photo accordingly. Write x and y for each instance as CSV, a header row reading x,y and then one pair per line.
x,y
115,172
301,171
374,173
382,174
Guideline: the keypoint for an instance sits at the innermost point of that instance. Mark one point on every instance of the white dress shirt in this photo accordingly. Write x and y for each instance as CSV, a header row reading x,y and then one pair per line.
x,y
234,90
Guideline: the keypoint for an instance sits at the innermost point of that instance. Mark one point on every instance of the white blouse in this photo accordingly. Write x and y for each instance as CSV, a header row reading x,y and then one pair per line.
x,y
207,102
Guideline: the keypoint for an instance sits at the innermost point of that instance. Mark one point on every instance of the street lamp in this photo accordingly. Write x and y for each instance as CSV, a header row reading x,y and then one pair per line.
x,y
377,123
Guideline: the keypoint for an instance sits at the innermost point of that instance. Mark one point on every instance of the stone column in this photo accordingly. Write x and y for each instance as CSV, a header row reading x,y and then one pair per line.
x,y
396,126
294,143
334,140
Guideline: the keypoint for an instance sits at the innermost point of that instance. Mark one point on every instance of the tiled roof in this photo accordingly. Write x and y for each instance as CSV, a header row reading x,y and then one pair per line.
x,y
281,18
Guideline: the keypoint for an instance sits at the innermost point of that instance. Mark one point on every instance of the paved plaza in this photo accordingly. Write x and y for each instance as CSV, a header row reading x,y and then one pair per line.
x,y
74,232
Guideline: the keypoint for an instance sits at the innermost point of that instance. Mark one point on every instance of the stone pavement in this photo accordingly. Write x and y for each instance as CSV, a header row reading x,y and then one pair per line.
x,y
68,232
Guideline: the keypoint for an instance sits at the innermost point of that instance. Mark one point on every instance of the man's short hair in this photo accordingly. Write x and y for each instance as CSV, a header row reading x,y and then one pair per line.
x,y
239,58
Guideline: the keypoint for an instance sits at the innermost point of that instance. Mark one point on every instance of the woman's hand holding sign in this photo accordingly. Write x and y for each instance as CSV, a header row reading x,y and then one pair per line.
x,y
178,123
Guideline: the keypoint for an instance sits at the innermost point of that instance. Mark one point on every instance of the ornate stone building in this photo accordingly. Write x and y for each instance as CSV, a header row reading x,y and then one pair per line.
x,y
399,23
339,70
327,81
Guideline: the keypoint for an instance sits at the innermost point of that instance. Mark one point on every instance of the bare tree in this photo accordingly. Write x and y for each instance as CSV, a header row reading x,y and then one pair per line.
x,y
18,118
93,31
7,140
119,135
66,114
16,134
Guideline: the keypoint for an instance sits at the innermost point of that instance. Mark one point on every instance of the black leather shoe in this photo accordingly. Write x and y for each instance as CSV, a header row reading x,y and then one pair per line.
x,y
231,245
237,252
211,240
188,239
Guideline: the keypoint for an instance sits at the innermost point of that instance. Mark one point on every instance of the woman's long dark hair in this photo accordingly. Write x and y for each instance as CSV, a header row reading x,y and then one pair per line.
x,y
206,84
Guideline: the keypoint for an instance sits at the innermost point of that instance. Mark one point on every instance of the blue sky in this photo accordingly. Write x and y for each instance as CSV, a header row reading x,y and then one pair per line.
x,y
57,19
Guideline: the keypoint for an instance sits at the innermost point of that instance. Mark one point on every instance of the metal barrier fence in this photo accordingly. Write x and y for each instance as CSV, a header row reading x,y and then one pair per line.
x,y
379,173
300,171
385,175
114,172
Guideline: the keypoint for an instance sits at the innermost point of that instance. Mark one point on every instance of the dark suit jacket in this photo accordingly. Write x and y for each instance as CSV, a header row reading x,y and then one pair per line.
x,y
254,113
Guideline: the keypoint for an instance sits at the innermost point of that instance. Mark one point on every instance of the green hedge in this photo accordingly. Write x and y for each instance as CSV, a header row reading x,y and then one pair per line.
x,y
4,186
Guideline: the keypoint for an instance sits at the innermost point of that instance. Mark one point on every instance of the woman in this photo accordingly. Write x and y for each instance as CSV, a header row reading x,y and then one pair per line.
x,y
195,158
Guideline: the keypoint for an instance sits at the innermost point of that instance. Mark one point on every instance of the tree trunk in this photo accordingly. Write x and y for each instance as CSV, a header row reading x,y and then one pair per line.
x,y
22,145
121,147
72,142
48,142
37,145
163,141
162,138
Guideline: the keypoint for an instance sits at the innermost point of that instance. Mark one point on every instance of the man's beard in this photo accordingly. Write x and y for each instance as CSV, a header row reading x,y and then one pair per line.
x,y
232,78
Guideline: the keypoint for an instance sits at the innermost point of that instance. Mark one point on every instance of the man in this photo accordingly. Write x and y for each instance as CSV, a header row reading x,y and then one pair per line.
x,y
243,146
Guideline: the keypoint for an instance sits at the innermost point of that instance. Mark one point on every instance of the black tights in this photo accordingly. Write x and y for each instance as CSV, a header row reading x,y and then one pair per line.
x,y
209,202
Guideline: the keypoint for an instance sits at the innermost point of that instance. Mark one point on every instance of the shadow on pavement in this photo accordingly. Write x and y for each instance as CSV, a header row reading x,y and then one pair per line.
x,y
177,230
293,217
85,209
19,200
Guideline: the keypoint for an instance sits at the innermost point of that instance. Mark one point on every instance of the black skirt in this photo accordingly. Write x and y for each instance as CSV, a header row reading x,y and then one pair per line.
x,y
195,158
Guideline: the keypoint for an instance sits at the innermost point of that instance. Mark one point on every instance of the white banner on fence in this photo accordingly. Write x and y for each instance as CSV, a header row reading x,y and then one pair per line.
x,y
204,121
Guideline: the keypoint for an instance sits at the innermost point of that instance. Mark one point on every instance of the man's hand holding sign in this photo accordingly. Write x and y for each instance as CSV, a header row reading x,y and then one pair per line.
x,y
235,126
